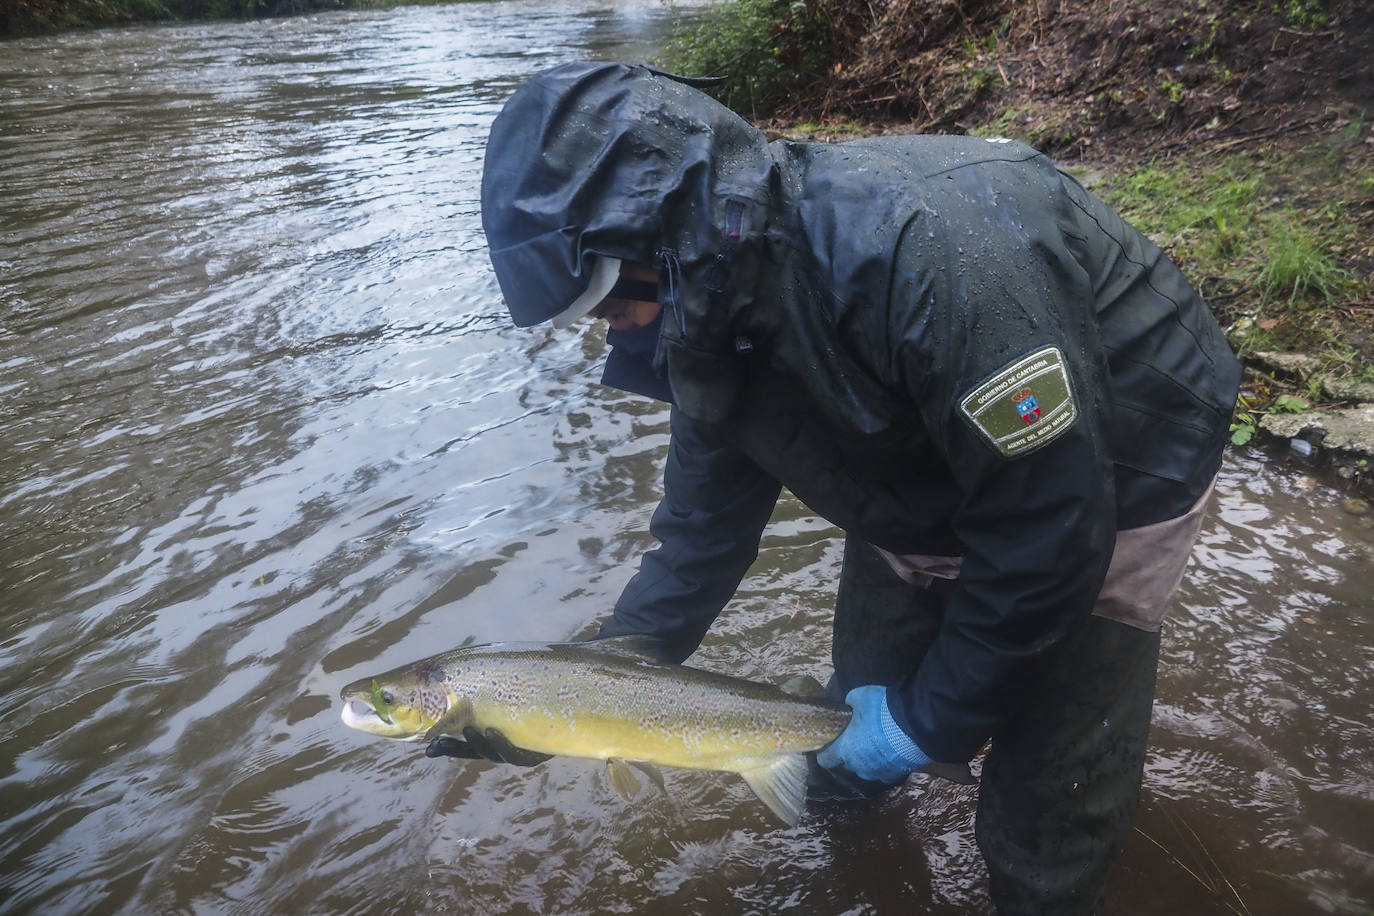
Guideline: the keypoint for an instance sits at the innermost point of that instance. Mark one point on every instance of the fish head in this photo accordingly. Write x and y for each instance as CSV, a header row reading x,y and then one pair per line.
x,y
404,703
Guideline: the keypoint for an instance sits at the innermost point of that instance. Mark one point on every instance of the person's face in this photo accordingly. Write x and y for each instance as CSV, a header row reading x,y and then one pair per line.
x,y
630,314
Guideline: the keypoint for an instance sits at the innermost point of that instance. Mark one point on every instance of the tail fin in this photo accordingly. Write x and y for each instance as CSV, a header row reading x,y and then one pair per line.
x,y
781,785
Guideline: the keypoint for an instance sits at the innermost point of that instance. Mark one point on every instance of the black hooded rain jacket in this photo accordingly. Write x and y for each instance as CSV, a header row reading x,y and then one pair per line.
x,y
941,344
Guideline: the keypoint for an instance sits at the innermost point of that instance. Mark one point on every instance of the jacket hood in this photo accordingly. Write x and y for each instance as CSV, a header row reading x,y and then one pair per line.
x,y
607,159
622,161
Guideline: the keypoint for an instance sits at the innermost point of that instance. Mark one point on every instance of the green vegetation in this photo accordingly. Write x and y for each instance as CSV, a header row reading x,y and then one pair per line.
x,y
1304,14
1244,423
1287,403
767,48
1204,216
36,15
831,130
1300,267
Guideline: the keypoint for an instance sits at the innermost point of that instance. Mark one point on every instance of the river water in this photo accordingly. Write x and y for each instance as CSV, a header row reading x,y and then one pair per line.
x,y
264,430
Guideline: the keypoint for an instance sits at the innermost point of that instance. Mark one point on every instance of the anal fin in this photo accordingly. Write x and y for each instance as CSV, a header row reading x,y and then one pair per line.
x,y
781,785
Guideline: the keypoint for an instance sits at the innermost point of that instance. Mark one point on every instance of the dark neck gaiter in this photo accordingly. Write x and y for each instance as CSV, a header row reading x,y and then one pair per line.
x,y
630,365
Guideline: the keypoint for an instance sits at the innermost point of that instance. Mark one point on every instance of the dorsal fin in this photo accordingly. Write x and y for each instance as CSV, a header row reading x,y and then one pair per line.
x,y
636,645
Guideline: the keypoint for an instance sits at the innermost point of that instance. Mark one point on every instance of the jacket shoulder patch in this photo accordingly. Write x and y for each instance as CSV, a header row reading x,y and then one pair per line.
x,y
1024,405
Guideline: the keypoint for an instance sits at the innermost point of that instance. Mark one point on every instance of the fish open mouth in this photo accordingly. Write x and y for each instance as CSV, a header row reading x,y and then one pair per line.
x,y
362,715
357,714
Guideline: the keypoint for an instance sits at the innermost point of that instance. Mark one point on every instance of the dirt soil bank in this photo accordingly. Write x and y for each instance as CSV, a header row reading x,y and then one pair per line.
x,y
1100,79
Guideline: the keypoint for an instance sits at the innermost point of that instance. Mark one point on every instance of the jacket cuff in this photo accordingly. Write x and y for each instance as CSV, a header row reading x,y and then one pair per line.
x,y
899,740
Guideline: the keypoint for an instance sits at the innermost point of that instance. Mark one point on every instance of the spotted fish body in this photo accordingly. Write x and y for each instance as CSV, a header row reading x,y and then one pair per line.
x,y
608,700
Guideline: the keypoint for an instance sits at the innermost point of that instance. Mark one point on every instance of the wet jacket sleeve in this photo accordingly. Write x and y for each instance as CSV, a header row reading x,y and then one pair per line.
x,y
716,502
1037,523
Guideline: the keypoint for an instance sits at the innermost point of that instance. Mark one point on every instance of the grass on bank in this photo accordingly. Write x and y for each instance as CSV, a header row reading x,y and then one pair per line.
x,y
1277,240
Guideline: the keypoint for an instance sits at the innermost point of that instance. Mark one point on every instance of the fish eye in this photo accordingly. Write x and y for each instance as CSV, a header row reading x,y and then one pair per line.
x,y
388,697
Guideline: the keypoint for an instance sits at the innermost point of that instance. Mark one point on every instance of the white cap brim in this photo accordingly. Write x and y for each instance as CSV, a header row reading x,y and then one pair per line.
x,y
605,272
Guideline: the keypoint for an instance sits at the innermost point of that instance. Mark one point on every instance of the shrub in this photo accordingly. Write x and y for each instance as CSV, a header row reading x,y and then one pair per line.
x,y
768,49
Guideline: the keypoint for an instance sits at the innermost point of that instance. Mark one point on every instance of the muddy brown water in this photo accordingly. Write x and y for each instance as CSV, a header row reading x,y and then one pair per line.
x,y
264,430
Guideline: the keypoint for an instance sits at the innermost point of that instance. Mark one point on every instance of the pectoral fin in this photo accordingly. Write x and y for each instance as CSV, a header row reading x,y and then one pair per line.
x,y
459,716
651,771
622,780
781,785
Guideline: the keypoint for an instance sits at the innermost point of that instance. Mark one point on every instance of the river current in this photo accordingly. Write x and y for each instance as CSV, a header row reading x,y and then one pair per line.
x,y
264,429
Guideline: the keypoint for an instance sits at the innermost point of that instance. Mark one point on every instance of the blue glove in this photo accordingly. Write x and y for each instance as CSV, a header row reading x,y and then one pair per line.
x,y
873,746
